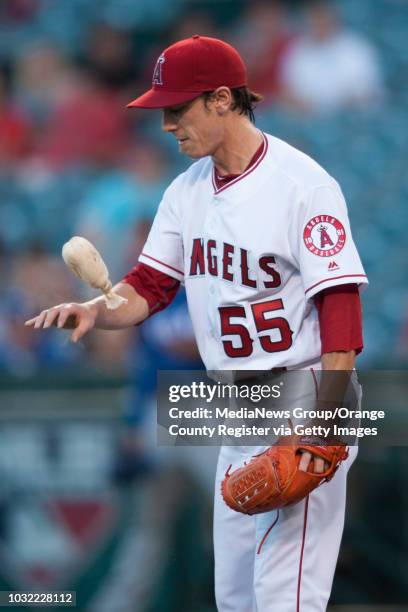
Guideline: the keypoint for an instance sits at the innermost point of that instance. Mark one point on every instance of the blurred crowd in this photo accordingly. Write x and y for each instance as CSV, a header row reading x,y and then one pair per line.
x,y
73,160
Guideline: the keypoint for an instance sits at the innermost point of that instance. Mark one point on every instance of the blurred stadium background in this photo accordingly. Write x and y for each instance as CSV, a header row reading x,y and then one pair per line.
x,y
86,500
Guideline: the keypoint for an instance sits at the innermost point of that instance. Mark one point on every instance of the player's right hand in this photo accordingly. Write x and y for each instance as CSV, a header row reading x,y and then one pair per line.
x,y
79,317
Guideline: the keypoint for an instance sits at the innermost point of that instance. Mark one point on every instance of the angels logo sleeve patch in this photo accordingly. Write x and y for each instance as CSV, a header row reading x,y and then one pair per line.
x,y
328,255
324,235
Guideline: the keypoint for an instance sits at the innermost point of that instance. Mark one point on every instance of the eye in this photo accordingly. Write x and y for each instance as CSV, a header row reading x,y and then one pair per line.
x,y
178,110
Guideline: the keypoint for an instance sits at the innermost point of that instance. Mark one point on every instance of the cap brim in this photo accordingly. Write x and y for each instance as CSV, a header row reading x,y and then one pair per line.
x,y
162,99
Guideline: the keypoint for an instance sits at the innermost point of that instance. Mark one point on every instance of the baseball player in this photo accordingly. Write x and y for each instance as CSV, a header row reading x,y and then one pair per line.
x,y
259,234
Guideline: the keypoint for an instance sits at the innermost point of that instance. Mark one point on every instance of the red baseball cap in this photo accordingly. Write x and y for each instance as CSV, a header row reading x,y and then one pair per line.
x,y
190,67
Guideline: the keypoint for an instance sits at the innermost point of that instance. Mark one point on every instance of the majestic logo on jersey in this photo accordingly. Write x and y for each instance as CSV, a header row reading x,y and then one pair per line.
x,y
332,266
324,236
158,71
233,264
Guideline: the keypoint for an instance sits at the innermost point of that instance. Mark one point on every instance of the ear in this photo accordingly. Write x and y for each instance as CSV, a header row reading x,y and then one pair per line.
x,y
222,100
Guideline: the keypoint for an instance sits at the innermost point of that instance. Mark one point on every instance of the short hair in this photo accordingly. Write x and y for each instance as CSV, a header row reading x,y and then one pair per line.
x,y
244,100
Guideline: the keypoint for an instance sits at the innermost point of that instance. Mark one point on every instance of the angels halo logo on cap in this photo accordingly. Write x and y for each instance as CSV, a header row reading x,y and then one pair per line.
x,y
158,71
189,68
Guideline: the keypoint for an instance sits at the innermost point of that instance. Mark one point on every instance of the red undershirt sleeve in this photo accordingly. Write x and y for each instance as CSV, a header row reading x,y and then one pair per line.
x,y
157,288
339,310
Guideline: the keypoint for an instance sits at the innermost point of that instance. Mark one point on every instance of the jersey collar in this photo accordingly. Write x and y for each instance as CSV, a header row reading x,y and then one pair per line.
x,y
254,163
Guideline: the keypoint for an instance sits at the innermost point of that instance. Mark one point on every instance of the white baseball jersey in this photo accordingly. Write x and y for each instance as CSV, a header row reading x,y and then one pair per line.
x,y
251,255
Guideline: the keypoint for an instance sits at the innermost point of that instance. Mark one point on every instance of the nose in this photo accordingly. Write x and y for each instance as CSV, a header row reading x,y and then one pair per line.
x,y
168,122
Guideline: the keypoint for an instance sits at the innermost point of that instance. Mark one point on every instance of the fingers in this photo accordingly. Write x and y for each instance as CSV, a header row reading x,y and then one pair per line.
x,y
31,322
63,315
50,317
44,319
67,319
304,461
80,330
319,464
68,316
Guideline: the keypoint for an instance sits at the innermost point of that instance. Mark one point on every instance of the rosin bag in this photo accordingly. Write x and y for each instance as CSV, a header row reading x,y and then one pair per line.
x,y
84,260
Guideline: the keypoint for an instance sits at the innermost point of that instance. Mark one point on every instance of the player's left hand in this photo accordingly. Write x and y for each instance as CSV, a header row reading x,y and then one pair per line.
x,y
319,464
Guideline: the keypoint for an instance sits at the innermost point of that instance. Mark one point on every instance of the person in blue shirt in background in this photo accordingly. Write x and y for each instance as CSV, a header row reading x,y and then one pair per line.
x,y
165,342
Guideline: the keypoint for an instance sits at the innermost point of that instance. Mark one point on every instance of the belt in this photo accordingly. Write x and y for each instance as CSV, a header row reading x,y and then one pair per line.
x,y
254,375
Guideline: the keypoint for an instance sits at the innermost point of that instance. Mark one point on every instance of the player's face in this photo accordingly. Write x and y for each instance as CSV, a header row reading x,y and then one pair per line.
x,y
196,126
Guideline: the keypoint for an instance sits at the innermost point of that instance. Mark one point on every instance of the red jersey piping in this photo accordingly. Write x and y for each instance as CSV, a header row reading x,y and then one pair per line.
x,y
302,550
336,278
162,263
315,382
267,532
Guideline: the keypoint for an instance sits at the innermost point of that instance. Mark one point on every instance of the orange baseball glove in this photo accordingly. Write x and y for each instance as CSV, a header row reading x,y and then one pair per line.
x,y
272,479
